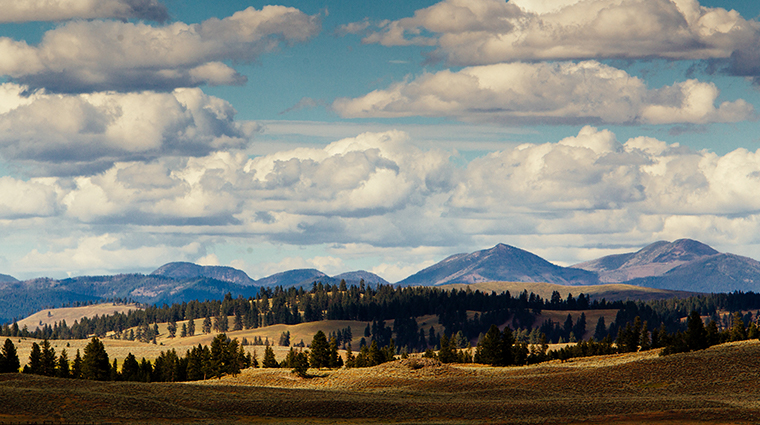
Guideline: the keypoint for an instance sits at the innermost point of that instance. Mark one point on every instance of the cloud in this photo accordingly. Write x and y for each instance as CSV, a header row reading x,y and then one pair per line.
x,y
102,254
92,131
557,93
62,10
304,103
477,32
92,56
375,194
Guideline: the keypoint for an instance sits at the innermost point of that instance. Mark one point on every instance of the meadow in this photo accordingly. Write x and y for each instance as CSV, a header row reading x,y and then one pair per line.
x,y
713,386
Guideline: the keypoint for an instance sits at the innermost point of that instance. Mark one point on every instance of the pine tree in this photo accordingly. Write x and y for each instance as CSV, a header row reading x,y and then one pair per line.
x,y
62,368
300,364
696,336
333,355
130,369
191,327
738,330
76,367
601,329
48,360
9,362
35,360
269,359
206,325
183,332
320,351
95,363
172,328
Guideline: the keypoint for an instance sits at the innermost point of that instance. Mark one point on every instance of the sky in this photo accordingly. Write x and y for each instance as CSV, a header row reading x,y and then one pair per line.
x,y
381,136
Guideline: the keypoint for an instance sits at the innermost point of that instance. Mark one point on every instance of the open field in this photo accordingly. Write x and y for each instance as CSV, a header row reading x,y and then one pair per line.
x,y
608,291
715,386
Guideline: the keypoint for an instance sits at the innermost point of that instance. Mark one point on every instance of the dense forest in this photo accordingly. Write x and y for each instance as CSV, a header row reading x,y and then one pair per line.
x,y
466,313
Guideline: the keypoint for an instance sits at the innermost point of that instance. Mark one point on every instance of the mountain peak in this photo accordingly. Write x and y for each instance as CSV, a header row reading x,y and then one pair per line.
x,y
500,263
654,259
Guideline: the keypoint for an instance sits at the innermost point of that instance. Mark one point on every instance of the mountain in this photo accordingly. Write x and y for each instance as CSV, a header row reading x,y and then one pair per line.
x,y
685,265
183,270
298,277
500,263
19,299
6,278
353,278
653,260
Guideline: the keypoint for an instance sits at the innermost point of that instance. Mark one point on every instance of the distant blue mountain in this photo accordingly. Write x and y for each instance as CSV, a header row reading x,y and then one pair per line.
x,y
183,270
7,278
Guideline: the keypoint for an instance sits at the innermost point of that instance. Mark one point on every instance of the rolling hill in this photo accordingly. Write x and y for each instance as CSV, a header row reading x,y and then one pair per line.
x,y
500,263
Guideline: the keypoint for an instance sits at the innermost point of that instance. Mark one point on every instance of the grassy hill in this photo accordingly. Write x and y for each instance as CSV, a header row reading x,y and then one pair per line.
x,y
610,292
714,386
70,314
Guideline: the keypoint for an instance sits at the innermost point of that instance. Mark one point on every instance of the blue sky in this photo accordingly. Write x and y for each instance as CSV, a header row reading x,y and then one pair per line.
x,y
384,136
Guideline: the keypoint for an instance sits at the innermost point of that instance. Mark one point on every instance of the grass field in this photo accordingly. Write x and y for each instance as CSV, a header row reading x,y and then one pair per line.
x,y
714,386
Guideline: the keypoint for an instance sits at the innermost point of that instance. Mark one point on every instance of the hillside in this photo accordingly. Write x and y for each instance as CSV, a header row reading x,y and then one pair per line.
x,y
610,291
712,386
500,263
70,314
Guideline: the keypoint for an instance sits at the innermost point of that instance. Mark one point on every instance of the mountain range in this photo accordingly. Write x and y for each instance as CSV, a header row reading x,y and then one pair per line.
x,y
682,265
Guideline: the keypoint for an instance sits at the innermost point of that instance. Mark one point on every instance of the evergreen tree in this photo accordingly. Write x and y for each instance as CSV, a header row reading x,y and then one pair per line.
x,y
446,354
35,360
191,327
696,335
62,368
172,328
300,364
95,363
130,369
183,332
738,330
48,360
601,329
334,357
269,359
76,366
238,324
320,351
207,325
349,356
645,342
488,350
9,362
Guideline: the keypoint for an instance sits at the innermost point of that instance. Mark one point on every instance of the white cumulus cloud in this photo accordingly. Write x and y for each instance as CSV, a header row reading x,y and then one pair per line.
x,y
562,92
475,32
90,56
61,10
92,131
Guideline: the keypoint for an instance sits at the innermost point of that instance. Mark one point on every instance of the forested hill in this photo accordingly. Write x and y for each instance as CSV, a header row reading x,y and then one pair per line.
x,y
19,299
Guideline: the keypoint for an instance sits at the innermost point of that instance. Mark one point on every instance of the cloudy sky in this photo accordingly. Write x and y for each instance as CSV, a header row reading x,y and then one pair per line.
x,y
384,136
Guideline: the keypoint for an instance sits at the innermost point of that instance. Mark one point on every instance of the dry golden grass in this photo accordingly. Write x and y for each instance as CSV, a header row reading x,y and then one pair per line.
x,y
70,314
714,386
